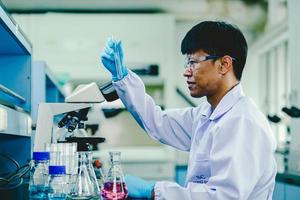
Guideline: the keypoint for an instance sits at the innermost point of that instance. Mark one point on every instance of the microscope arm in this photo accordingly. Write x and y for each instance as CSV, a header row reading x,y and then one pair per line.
x,y
46,113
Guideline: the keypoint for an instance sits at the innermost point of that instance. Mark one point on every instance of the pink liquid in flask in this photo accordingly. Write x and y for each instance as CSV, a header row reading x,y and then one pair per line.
x,y
114,191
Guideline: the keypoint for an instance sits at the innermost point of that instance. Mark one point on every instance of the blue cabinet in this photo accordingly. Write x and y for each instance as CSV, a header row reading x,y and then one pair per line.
x,y
15,64
285,191
279,191
15,104
292,192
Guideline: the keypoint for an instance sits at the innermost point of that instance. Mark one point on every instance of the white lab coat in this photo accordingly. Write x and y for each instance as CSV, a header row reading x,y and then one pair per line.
x,y
231,148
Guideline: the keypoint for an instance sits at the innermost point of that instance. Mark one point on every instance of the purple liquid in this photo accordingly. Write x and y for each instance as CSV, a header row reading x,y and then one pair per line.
x,y
114,191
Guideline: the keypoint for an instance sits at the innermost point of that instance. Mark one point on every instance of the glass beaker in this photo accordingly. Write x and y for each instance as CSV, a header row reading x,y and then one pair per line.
x,y
65,154
83,187
114,185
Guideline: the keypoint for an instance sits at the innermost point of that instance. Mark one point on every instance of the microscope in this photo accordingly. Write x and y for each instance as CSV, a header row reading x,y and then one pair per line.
x,y
75,110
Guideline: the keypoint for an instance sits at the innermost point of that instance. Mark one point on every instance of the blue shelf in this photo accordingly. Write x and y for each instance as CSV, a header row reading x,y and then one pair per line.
x,y
45,87
15,96
12,39
15,64
15,76
53,90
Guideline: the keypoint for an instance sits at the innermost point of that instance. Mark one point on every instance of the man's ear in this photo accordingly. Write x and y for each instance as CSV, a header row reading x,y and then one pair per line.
x,y
225,64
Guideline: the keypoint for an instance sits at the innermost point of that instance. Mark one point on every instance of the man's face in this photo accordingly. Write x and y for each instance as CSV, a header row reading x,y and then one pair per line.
x,y
202,75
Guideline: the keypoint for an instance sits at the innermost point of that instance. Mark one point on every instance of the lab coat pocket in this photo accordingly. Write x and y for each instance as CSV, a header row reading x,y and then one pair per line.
x,y
201,168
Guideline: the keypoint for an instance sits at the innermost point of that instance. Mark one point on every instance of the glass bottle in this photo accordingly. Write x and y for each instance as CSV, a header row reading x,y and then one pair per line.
x,y
38,184
114,185
57,183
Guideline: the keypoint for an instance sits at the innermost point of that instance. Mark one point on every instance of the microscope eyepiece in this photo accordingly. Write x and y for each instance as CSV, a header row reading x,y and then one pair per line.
x,y
71,129
65,120
74,119
73,124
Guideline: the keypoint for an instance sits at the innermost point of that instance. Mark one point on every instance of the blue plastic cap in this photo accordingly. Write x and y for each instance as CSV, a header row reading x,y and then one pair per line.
x,y
57,170
41,156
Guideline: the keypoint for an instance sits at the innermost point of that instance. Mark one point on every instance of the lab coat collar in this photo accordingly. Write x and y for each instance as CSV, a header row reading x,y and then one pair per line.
x,y
205,110
227,102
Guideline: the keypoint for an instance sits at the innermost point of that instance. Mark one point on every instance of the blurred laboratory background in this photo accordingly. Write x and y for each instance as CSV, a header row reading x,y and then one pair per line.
x,y
48,48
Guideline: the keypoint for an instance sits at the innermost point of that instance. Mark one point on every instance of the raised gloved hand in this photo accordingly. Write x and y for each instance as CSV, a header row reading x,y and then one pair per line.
x,y
139,188
112,59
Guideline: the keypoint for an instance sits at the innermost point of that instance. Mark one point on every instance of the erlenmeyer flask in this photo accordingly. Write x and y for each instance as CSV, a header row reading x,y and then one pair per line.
x,y
83,188
114,185
92,174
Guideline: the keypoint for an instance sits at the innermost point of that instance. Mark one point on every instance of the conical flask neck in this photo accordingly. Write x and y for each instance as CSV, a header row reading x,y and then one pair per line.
x,y
115,158
90,158
115,171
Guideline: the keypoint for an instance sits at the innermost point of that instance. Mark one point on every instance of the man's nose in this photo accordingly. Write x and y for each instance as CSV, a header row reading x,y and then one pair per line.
x,y
187,72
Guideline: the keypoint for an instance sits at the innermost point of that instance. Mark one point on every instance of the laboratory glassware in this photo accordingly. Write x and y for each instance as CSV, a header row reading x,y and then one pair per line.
x,y
38,184
57,183
92,174
83,187
117,59
65,154
114,185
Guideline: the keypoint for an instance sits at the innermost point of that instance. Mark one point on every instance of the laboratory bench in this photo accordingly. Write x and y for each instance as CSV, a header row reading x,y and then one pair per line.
x,y
287,185
284,173
289,178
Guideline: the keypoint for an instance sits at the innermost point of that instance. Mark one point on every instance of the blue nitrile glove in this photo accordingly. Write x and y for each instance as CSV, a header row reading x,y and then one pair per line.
x,y
139,188
112,59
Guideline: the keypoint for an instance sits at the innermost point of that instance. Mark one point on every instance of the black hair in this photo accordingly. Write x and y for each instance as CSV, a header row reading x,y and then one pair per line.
x,y
217,38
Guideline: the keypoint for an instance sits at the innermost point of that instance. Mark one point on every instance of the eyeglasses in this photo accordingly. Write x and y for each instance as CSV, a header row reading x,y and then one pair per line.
x,y
190,63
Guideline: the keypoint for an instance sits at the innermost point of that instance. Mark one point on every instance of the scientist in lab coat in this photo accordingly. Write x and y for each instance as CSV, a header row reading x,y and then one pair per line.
x,y
229,140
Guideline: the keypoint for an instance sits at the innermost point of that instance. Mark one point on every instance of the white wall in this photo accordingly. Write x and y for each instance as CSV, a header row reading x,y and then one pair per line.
x,y
72,42
294,49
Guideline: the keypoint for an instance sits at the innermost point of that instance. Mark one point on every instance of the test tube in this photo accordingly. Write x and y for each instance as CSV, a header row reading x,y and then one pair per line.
x,y
117,59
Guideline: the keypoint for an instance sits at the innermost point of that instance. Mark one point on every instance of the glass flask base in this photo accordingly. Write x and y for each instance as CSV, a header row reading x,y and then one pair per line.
x,y
114,191
57,196
38,192
81,198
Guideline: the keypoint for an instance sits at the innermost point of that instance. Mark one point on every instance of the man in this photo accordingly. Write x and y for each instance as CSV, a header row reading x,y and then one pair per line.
x,y
230,142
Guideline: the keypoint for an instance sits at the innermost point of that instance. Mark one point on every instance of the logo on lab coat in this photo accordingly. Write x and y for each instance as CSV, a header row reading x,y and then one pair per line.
x,y
200,179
